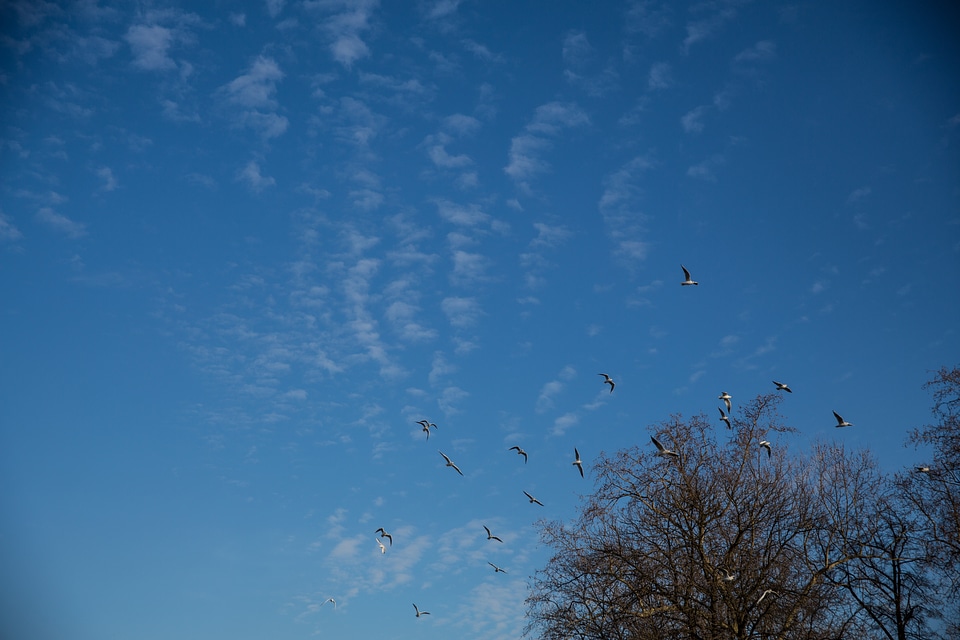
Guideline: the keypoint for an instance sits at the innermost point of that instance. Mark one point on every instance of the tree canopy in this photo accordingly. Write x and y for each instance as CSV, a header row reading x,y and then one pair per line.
x,y
727,534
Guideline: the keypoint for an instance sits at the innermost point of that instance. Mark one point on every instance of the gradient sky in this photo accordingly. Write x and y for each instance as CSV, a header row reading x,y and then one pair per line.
x,y
243,248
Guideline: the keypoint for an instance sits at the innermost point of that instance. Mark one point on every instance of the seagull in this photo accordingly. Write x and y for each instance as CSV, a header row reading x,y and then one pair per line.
x,y
766,445
496,569
726,398
450,464
923,469
519,452
426,427
782,387
727,576
384,534
490,536
663,451
840,421
724,417
420,613
686,275
329,600
532,499
764,595
608,380
578,461
383,549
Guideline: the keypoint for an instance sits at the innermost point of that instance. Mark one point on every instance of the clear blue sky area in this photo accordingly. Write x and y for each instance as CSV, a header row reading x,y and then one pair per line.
x,y
245,246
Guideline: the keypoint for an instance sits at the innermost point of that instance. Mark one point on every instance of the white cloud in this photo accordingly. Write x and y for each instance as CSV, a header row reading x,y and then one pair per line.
x,y
660,76
343,27
760,52
564,422
8,232
109,180
549,120
252,96
254,179
461,312
150,44
692,121
61,223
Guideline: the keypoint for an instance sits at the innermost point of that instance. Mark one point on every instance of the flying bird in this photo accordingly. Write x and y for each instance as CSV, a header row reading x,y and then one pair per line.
x,y
519,452
450,464
782,387
496,569
383,549
426,427
608,380
726,399
766,445
532,499
663,451
764,595
384,534
686,275
724,417
578,461
329,600
923,469
840,421
420,613
490,536
727,576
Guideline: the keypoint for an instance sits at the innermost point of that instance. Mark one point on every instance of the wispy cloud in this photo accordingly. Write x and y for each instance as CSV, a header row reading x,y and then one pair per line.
x,y
8,231
549,120
344,26
61,223
251,96
150,45
620,206
461,312
250,174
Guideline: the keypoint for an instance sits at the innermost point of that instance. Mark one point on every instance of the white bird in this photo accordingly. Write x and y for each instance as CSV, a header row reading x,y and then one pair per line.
x,y
663,451
840,421
420,613
384,534
490,536
724,417
726,399
766,445
764,595
782,387
727,576
923,469
383,549
426,427
329,600
686,276
496,569
450,464
532,499
520,452
608,380
578,461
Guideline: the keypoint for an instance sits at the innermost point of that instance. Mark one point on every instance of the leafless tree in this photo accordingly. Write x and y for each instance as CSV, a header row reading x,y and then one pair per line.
x,y
933,489
722,541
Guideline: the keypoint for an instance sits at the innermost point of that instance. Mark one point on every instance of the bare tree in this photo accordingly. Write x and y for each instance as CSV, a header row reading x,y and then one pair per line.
x,y
723,540
933,489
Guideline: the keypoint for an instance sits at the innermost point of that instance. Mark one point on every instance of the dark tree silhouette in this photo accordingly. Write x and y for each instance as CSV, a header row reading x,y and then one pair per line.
x,y
722,542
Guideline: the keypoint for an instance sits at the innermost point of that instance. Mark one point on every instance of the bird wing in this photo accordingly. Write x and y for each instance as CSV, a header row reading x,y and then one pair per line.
x,y
686,273
657,442
837,416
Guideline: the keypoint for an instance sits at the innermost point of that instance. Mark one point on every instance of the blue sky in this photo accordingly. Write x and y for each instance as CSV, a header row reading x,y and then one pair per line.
x,y
244,248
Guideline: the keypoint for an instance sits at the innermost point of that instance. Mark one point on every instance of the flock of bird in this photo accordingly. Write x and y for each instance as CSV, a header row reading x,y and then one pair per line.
x,y
661,451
